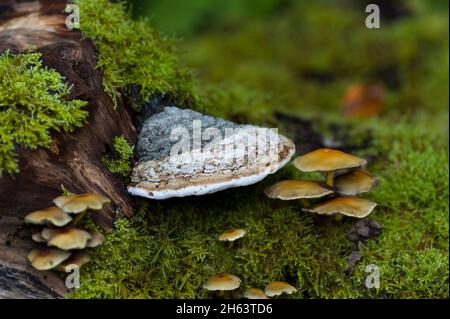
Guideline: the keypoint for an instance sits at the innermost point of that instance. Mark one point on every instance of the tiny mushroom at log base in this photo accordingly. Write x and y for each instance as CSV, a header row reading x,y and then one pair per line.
x,y
232,234
277,288
222,282
61,242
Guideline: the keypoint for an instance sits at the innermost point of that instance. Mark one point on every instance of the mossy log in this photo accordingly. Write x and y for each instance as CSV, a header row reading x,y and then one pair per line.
x,y
73,159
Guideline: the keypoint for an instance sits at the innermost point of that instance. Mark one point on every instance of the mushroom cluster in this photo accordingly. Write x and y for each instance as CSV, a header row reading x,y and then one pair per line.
x,y
345,179
64,240
225,281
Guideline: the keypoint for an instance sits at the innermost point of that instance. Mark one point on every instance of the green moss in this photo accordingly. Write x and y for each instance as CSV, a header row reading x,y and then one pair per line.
x,y
120,162
34,100
132,54
302,66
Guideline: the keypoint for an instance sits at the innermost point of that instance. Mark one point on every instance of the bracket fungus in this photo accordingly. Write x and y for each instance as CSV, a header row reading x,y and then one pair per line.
x,y
345,205
209,154
62,237
232,234
47,258
354,183
222,282
329,161
277,288
52,215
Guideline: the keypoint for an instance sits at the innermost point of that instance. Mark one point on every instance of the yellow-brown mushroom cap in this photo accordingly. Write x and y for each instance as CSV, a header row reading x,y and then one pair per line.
x,y
326,160
232,234
295,189
346,205
355,182
96,239
52,215
222,282
254,293
67,238
79,203
47,258
77,259
278,288
37,237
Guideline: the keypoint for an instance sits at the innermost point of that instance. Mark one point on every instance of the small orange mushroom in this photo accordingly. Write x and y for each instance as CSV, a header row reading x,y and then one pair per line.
x,y
345,205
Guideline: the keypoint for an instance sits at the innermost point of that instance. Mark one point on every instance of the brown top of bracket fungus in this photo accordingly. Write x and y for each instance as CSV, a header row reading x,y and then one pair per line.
x,y
295,189
346,205
222,282
52,215
79,203
278,288
241,155
77,259
232,234
47,258
326,159
254,293
67,239
354,183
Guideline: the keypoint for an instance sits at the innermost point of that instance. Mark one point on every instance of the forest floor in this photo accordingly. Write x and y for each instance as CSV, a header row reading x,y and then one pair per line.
x,y
281,73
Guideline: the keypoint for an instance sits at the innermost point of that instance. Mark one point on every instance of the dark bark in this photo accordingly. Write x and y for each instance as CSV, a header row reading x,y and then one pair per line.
x,y
72,160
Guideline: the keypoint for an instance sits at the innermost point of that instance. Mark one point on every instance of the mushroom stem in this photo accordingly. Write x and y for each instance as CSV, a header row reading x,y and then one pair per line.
x,y
79,217
305,203
330,178
338,217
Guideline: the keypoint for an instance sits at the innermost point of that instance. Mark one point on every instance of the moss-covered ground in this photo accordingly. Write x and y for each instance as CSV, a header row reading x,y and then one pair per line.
x,y
300,63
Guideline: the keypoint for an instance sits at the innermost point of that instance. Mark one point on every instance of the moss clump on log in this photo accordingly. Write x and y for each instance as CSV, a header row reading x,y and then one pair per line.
x,y
132,54
34,100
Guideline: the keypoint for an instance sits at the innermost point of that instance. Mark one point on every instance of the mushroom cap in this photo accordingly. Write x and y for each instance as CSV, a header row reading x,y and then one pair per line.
x,y
294,189
79,203
355,182
37,237
326,159
222,282
254,293
96,239
232,234
47,258
346,205
277,288
78,259
52,215
67,238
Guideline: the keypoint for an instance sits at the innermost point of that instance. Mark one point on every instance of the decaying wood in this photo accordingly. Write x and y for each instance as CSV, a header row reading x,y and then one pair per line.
x,y
73,160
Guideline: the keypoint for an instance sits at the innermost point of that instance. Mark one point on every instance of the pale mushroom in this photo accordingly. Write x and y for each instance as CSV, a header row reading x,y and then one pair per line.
x,y
254,293
77,259
222,282
37,237
79,203
96,239
232,234
67,239
328,161
346,205
354,183
52,215
278,288
295,189
47,258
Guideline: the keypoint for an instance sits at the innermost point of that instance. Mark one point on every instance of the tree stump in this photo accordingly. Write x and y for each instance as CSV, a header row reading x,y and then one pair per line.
x,y
72,160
